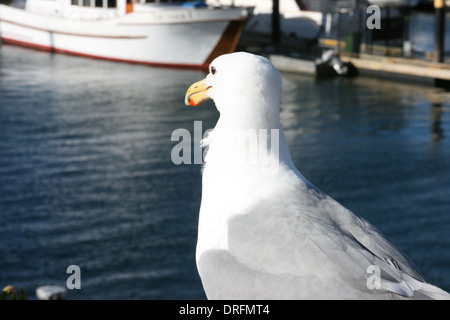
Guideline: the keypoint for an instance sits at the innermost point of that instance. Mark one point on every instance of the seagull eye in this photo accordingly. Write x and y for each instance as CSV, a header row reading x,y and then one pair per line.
x,y
213,70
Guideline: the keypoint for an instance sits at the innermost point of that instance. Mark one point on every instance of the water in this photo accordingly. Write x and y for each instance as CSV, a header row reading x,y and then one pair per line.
x,y
86,176
421,33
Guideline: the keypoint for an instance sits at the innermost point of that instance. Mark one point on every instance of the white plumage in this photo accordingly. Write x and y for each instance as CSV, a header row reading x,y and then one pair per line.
x,y
265,232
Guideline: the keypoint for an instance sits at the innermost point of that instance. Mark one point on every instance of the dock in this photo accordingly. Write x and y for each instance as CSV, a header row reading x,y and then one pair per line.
x,y
303,66
395,68
384,62
433,73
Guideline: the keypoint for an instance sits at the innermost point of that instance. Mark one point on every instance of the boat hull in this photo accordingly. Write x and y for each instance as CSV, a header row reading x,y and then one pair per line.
x,y
183,38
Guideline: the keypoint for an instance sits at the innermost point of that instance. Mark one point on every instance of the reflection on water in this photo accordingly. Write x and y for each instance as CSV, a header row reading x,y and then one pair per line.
x,y
86,176
436,125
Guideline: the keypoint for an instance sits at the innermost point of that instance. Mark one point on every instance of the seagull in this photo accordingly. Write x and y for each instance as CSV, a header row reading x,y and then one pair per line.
x,y
265,231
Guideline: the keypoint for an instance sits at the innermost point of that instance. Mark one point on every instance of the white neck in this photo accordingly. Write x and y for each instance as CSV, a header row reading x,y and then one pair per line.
x,y
236,175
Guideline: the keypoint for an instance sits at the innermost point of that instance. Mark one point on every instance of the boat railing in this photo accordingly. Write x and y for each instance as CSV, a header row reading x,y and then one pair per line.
x,y
78,9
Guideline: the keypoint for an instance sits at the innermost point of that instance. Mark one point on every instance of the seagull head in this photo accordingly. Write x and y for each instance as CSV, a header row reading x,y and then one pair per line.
x,y
246,89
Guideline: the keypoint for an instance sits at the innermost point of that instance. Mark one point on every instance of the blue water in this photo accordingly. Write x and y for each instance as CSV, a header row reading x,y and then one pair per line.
x,y
86,176
421,32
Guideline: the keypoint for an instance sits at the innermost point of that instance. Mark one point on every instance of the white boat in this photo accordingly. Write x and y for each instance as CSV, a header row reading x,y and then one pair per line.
x,y
164,34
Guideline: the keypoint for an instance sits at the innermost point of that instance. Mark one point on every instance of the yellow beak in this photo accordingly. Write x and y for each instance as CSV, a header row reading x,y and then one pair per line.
x,y
197,93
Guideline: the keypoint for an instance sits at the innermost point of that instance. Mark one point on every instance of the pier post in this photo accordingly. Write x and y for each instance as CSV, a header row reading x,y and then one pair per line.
x,y
275,21
439,30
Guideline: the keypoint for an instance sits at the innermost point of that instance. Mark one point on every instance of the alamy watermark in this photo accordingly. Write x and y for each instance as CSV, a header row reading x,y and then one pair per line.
x,y
258,147
374,280
374,20
74,280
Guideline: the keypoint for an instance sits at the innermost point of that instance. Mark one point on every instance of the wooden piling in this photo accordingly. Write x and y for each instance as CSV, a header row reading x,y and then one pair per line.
x,y
275,21
439,30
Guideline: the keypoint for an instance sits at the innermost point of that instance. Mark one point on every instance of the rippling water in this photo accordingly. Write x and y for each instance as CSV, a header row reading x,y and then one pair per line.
x,y
86,176
421,32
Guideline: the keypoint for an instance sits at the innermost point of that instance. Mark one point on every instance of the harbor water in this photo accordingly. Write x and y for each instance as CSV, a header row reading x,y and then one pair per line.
x,y
86,176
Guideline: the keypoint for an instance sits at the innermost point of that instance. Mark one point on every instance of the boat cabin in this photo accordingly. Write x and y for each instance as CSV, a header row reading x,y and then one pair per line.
x,y
81,9
89,9
104,4
93,9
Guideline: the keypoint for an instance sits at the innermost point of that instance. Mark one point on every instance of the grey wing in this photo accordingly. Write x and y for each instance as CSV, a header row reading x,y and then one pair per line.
x,y
313,242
